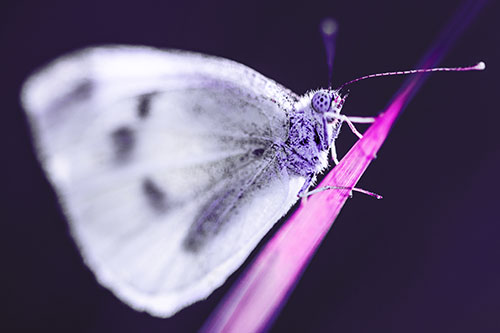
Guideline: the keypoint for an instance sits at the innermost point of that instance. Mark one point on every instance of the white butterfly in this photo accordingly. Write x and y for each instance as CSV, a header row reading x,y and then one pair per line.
x,y
171,166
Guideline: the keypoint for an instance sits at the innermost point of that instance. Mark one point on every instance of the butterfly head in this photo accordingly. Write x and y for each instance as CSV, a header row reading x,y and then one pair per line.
x,y
325,106
328,102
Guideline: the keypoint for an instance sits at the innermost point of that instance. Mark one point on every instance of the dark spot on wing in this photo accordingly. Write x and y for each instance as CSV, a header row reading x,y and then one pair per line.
x,y
155,196
123,140
258,152
210,220
144,105
197,109
239,186
223,206
82,90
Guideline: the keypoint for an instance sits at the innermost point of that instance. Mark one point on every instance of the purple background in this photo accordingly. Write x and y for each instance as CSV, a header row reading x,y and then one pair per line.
x,y
426,258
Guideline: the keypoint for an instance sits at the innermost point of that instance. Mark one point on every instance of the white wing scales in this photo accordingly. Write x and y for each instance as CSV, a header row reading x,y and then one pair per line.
x,y
164,164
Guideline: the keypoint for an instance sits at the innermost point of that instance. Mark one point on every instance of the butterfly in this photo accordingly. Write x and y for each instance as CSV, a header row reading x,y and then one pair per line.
x,y
171,166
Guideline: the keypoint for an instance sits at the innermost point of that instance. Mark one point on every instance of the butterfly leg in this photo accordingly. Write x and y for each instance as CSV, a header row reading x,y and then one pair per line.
x,y
353,128
304,190
334,153
325,188
351,120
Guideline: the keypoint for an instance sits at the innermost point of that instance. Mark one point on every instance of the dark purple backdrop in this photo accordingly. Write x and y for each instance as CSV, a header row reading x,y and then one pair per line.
x,y
424,259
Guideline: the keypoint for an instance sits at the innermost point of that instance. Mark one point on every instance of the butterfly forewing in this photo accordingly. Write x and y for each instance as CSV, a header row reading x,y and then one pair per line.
x,y
165,164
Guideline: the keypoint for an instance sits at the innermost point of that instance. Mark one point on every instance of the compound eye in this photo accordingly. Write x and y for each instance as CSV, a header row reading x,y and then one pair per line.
x,y
321,101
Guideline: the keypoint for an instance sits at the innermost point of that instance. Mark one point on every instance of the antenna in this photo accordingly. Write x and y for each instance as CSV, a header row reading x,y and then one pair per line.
x,y
328,28
478,67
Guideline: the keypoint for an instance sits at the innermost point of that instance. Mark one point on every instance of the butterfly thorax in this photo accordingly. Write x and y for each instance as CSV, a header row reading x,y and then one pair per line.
x,y
310,136
309,139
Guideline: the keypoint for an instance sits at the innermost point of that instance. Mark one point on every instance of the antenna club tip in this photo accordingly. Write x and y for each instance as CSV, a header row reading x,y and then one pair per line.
x,y
480,66
329,26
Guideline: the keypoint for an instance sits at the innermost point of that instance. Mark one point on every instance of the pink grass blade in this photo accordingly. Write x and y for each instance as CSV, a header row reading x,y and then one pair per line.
x,y
249,306
257,297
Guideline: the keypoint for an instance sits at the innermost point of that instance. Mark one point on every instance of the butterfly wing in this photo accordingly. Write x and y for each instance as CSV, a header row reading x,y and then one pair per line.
x,y
166,163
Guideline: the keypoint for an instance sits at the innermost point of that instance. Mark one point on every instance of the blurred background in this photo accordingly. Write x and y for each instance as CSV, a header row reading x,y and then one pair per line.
x,y
424,259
